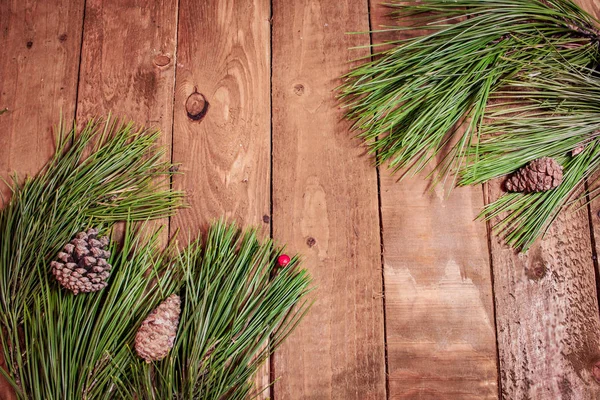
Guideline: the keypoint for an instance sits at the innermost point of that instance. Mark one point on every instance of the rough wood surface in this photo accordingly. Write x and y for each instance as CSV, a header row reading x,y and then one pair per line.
x,y
222,117
128,65
547,313
325,206
38,79
547,310
223,63
438,293
38,70
439,312
128,62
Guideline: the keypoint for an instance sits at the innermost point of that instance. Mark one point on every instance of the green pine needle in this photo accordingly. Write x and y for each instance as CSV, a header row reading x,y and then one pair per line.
x,y
234,299
61,346
107,172
497,82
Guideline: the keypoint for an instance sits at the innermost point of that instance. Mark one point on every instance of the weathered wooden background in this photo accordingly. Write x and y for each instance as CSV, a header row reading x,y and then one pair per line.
x,y
414,299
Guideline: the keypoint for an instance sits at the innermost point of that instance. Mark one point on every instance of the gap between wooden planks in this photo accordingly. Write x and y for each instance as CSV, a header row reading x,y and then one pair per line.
x,y
38,70
438,291
547,309
324,199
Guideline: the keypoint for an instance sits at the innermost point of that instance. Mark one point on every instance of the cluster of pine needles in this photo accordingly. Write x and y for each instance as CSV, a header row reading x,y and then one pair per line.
x,y
237,305
498,82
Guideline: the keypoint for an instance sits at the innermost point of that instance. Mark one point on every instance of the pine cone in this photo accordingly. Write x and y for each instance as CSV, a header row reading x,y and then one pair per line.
x,y
82,265
537,176
156,336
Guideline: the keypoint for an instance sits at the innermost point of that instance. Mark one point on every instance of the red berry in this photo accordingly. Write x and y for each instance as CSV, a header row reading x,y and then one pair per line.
x,y
283,260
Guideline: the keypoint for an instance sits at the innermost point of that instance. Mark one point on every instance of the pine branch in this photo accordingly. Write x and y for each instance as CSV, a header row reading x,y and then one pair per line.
x,y
75,347
116,181
97,176
61,346
499,82
235,298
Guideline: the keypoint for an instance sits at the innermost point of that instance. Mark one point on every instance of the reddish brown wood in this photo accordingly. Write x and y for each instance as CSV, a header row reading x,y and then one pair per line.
x,y
222,116
128,62
325,206
438,292
128,65
547,311
38,80
39,65
223,57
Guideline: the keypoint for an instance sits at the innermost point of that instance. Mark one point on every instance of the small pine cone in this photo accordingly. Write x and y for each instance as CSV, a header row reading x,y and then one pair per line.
x,y
537,176
156,336
82,265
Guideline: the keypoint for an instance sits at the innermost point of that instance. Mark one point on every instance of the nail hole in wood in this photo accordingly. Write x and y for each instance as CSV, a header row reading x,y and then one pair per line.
x,y
196,106
29,44
299,89
311,241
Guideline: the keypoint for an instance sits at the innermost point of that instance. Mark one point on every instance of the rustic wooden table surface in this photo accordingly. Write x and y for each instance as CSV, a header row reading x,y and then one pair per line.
x,y
414,299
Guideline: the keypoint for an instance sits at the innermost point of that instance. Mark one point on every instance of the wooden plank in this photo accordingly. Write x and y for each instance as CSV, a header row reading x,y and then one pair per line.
x,y
40,46
223,56
547,313
128,62
222,117
438,291
325,206
547,310
128,65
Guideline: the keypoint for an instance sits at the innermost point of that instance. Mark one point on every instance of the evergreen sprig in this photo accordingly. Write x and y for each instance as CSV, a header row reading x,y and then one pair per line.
x,y
234,299
107,172
76,347
60,346
498,83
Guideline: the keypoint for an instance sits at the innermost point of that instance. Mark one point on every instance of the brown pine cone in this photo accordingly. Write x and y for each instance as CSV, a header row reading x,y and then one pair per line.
x,y
82,266
157,334
539,175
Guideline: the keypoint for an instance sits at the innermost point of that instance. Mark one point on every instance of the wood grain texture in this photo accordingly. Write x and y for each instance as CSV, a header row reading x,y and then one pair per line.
x,y
222,117
325,206
224,54
547,310
38,70
38,80
128,62
547,313
128,66
438,292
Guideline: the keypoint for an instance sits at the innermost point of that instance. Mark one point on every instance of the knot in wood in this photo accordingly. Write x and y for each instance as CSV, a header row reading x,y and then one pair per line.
x,y
196,106
161,60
